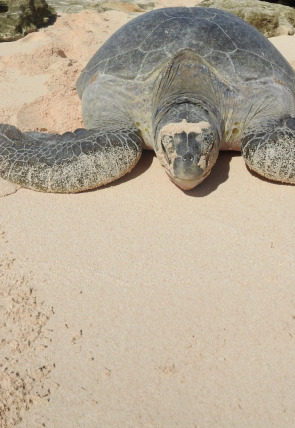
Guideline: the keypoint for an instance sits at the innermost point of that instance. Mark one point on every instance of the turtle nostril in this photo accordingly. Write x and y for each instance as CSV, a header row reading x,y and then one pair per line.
x,y
188,157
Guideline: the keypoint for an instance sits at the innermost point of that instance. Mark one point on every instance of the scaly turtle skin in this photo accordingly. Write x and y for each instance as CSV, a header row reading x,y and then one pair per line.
x,y
184,82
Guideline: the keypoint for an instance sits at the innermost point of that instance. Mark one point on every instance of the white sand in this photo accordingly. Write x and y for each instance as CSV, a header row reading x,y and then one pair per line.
x,y
138,305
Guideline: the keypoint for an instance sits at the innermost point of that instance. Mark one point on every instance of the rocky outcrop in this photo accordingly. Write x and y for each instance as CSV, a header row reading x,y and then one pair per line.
x,y
72,6
20,17
269,18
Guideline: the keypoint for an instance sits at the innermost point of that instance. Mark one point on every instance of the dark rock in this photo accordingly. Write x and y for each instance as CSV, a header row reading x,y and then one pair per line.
x,y
20,17
269,18
290,3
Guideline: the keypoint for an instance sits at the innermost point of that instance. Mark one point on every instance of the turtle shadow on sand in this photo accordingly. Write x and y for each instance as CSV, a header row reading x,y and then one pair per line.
x,y
219,175
141,167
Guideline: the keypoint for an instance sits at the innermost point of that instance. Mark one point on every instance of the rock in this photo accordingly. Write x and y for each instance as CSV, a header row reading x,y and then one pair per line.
x,y
20,17
270,19
74,6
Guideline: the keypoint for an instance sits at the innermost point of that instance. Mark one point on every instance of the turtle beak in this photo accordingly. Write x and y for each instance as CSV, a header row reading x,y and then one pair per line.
x,y
188,171
187,184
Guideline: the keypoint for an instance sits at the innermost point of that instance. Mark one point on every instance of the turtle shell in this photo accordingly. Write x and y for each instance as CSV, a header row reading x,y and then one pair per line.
x,y
230,45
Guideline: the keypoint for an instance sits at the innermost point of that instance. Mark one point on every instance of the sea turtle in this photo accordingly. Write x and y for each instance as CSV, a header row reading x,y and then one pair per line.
x,y
185,82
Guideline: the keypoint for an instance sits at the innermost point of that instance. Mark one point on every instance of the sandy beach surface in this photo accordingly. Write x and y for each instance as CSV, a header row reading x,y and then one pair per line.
x,y
137,304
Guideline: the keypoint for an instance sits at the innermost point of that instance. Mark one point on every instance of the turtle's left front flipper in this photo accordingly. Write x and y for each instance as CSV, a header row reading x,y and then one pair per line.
x,y
72,162
270,150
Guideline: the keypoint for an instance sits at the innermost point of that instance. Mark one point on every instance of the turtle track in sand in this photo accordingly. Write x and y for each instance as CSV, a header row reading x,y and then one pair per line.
x,y
23,318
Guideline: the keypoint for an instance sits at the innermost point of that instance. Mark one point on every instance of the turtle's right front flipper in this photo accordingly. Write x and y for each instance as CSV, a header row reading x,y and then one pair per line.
x,y
72,162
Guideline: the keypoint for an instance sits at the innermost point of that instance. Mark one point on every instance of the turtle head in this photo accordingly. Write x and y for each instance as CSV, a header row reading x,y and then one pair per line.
x,y
187,145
